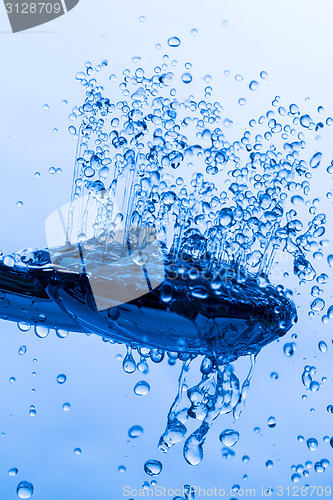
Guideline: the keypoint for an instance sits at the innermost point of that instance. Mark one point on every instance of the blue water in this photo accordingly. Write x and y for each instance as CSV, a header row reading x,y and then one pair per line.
x,y
222,209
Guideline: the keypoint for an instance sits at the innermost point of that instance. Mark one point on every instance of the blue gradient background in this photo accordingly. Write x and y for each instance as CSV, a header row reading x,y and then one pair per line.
x,y
293,43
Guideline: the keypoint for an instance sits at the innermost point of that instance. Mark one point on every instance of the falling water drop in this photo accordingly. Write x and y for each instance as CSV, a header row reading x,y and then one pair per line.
x,y
229,437
24,489
142,388
152,467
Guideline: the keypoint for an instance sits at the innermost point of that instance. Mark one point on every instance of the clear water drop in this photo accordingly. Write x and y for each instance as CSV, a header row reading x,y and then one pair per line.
x,y
135,431
24,489
229,437
153,467
142,388
312,444
174,41
61,378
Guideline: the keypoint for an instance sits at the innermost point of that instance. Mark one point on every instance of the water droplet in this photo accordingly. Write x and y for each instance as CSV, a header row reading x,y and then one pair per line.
x,y
322,346
129,365
319,468
46,107
295,478
318,305
24,489
312,444
24,327
135,431
269,464
122,469
274,376
61,379
19,204
289,349
315,160
152,467
271,422
66,406
187,78
141,388
174,41
229,437
12,380
253,85
77,451
22,350
194,32
13,471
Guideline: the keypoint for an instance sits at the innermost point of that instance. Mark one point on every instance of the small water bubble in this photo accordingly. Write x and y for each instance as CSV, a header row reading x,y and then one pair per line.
x,y
300,438
289,349
312,444
66,407
142,388
22,350
174,41
77,451
271,422
19,204
269,464
187,78
32,411
142,19
315,160
263,75
64,102
274,376
253,85
322,346
238,78
46,107
319,468
295,478
152,467
72,130
12,380
314,386
61,378
24,489
318,305
122,469
229,437
13,471
194,32
135,431
24,327
245,459
129,365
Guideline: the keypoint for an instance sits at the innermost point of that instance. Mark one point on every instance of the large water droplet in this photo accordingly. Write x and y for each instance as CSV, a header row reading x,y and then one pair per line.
x,y
312,444
135,431
174,41
142,388
61,378
152,467
315,160
24,489
229,437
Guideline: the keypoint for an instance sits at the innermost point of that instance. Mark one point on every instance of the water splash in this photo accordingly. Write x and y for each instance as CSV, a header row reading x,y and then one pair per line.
x,y
222,211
